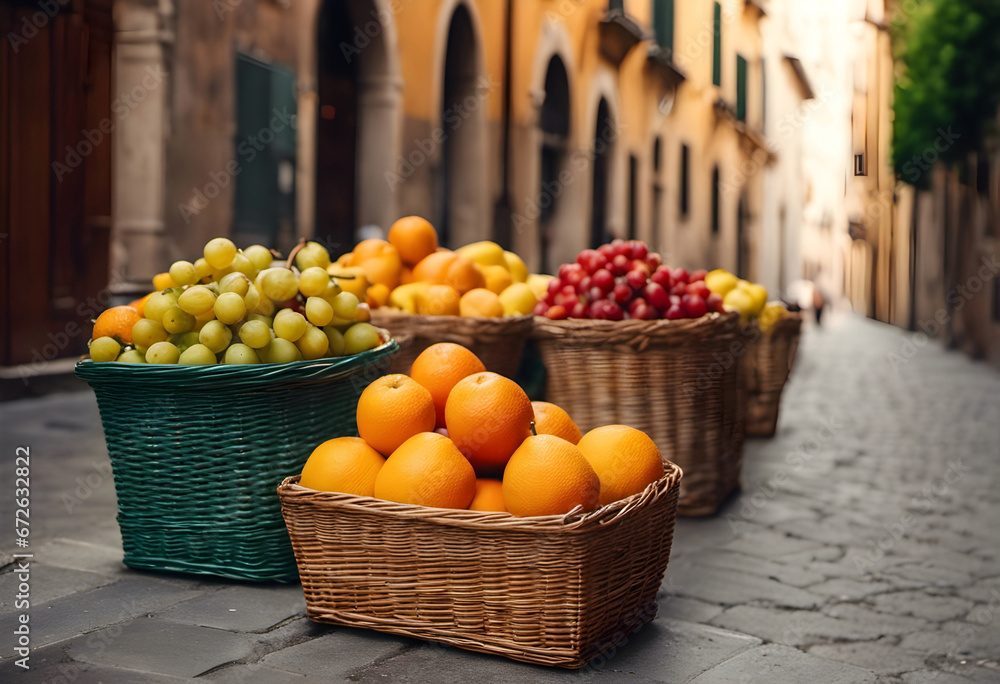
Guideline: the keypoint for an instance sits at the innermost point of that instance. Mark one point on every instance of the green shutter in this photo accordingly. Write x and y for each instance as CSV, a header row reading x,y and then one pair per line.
x,y
741,88
663,23
717,46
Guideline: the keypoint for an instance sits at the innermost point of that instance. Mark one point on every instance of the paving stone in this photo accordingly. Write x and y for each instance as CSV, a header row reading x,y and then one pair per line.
x,y
770,544
81,555
928,642
775,664
254,674
91,610
338,653
48,583
793,575
849,590
731,587
682,608
241,608
888,624
83,673
932,677
676,651
919,604
150,645
882,658
794,627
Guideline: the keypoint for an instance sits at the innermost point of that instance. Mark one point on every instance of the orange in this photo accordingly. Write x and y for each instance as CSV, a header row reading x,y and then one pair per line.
x,y
377,295
366,249
392,409
498,278
161,281
480,303
414,237
140,304
449,268
406,275
625,459
440,367
438,300
344,464
383,269
117,323
549,476
488,416
427,470
553,420
489,496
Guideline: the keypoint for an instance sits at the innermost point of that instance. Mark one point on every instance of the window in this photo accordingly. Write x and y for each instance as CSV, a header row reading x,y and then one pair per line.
x,y
715,200
663,23
616,5
264,188
685,181
633,191
657,203
717,45
741,88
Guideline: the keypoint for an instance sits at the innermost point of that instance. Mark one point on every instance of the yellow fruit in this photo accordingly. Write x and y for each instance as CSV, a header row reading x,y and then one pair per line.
x,y
758,295
625,459
438,300
484,253
161,281
740,301
720,281
405,296
480,302
414,237
489,496
350,279
539,284
516,266
518,300
378,295
345,464
498,278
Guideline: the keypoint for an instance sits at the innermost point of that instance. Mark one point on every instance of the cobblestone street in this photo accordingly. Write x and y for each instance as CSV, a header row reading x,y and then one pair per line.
x,y
863,548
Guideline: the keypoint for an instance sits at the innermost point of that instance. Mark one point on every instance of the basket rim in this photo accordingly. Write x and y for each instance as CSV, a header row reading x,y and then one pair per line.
x,y
235,374
575,521
385,316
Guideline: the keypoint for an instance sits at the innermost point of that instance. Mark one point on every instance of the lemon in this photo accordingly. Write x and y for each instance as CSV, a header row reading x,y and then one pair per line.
x,y
405,296
484,253
350,279
518,300
480,302
758,297
539,283
498,278
720,281
740,301
516,266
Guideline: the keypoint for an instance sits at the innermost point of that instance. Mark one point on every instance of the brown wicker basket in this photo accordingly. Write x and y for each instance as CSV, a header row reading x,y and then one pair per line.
x,y
769,361
498,342
552,590
674,380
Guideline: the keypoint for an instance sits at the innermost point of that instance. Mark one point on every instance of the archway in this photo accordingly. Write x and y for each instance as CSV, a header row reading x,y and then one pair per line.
x,y
459,200
604,135
357,116
554,135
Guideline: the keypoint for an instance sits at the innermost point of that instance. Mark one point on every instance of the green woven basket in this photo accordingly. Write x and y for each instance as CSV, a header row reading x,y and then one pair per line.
x,y
198,452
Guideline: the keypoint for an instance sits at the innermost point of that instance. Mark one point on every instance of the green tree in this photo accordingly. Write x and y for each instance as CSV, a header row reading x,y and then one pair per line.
x,y
948,82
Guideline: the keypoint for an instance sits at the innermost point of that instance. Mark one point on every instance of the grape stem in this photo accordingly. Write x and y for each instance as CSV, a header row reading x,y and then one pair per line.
x,y
295,250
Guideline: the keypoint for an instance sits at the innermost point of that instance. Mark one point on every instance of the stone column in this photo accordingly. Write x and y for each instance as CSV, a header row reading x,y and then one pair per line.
x,y
138,248
379,105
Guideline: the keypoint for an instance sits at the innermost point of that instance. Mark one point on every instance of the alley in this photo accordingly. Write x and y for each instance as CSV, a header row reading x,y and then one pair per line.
x,y
863,548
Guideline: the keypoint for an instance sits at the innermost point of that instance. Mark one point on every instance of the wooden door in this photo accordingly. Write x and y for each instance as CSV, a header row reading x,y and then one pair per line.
x,y
55,176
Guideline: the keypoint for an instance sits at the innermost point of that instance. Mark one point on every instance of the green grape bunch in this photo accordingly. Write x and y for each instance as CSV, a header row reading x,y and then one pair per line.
x,y
234,306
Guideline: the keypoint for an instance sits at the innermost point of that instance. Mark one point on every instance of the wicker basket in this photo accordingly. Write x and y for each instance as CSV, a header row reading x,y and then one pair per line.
x,y
196,452
498,342
766,370
674,380
552,590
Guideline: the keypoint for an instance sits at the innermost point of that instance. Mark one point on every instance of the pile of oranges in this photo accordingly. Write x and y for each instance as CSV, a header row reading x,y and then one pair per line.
x,y
411,272
452,435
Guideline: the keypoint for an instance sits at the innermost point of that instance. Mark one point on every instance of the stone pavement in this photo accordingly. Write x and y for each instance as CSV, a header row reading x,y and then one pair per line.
x,y
864,548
